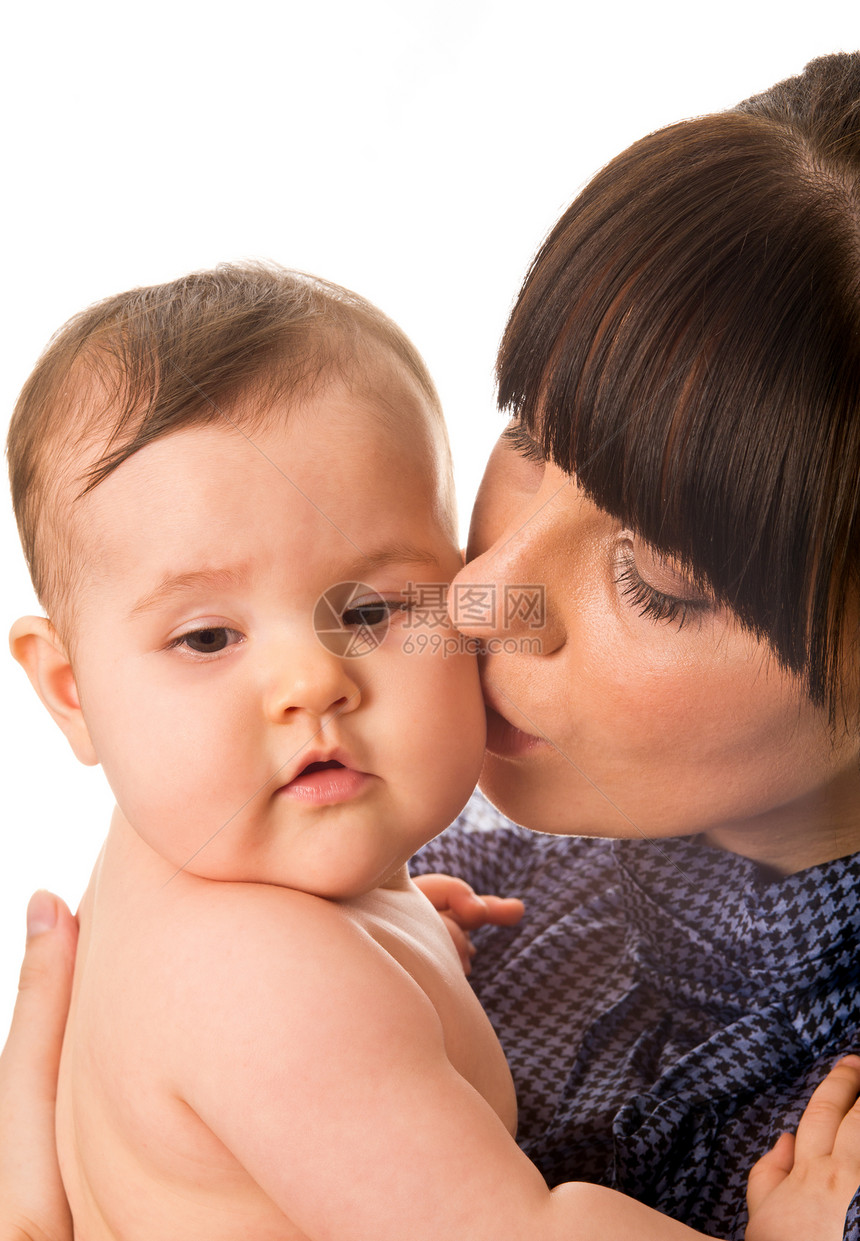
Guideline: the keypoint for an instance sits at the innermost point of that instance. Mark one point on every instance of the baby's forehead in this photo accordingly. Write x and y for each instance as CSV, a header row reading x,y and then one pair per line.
x,y
185,480
256,505
344,427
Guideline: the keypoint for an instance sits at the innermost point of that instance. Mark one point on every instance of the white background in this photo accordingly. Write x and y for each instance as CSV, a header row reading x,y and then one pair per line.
x,y
415,152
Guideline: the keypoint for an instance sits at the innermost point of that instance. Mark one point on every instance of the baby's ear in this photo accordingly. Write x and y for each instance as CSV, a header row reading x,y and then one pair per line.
x,y
36,646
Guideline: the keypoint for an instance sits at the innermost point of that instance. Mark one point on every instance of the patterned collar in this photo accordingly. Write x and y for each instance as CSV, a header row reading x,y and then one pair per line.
x,y
719,929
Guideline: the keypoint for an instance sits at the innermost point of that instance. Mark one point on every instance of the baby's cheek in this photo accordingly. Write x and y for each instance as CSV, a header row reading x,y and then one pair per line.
x,y
441,734
461,727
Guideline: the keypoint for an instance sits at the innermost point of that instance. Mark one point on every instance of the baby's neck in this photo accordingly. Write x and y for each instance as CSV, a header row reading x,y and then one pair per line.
x,y
127,852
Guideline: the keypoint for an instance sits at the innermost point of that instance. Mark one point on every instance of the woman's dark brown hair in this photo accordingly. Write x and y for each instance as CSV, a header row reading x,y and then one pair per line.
x,y
687,342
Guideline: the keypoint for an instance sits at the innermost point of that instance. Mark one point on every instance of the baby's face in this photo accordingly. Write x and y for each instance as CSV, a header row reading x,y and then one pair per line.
x,y
206,687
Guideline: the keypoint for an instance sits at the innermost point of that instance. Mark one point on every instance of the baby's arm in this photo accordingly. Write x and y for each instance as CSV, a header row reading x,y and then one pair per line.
x,y
813,1176
321,1065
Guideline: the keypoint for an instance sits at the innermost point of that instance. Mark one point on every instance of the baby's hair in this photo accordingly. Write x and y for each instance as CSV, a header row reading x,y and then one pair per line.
x,y
139,366
687,343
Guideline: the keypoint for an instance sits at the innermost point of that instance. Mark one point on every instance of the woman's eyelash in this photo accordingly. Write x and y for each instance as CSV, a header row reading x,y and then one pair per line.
x,y
520,440
653,603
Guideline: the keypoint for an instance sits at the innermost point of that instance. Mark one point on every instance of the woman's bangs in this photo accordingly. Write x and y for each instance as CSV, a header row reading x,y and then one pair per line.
x,y
690,353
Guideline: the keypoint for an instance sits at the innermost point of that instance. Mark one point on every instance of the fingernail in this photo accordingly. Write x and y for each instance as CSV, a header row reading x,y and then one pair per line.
x,y
41,913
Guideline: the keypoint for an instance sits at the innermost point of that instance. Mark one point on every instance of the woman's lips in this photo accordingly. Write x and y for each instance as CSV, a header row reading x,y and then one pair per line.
x,y
325,784
506,741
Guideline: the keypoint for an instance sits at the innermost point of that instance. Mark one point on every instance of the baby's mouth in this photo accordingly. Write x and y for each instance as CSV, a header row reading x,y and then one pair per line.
x,y
326,782
312,767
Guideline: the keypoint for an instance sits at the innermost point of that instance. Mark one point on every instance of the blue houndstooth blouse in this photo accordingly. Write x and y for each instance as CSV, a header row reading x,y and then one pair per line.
x,y
666,1008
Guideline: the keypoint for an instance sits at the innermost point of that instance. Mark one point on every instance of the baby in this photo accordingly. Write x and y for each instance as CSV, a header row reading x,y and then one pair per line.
x,y
228,488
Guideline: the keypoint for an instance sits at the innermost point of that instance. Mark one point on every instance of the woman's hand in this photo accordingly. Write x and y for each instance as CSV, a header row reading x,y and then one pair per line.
x,y
33,1205
462,910
804,1186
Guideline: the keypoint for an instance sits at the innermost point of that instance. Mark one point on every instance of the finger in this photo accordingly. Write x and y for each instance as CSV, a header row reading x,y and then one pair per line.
x,y
445,892
466,950
504,910
435,887
469,909
29,1175
847,1144
448,893
462,942
830,1105
44,989
770,1171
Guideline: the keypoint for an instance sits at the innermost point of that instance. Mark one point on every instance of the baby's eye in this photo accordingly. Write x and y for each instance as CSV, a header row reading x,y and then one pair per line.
x,y
209,641
371,612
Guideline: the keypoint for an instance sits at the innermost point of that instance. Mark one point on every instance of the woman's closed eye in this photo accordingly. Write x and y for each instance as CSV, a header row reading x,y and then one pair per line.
x,y
670,596
519,439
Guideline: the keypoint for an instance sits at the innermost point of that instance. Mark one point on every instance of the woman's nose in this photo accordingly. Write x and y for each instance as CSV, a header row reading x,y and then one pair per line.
x,y
308,679
503,595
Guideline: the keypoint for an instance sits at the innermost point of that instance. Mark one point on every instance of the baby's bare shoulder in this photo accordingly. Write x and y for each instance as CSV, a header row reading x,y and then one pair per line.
x,y
253,927
288,950
274,977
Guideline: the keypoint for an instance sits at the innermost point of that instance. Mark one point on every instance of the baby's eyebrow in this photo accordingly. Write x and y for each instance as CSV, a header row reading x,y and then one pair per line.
x,y
396,554
175,585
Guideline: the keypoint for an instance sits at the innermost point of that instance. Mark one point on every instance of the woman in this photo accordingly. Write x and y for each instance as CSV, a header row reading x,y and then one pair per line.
x,y
677,498
682,475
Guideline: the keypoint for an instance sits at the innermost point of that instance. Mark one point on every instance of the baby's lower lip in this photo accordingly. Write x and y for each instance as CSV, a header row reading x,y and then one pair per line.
x,y
326,785
507,741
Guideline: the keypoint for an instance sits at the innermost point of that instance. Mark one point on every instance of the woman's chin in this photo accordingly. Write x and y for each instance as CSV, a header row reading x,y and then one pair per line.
x,y
534,794
508,784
